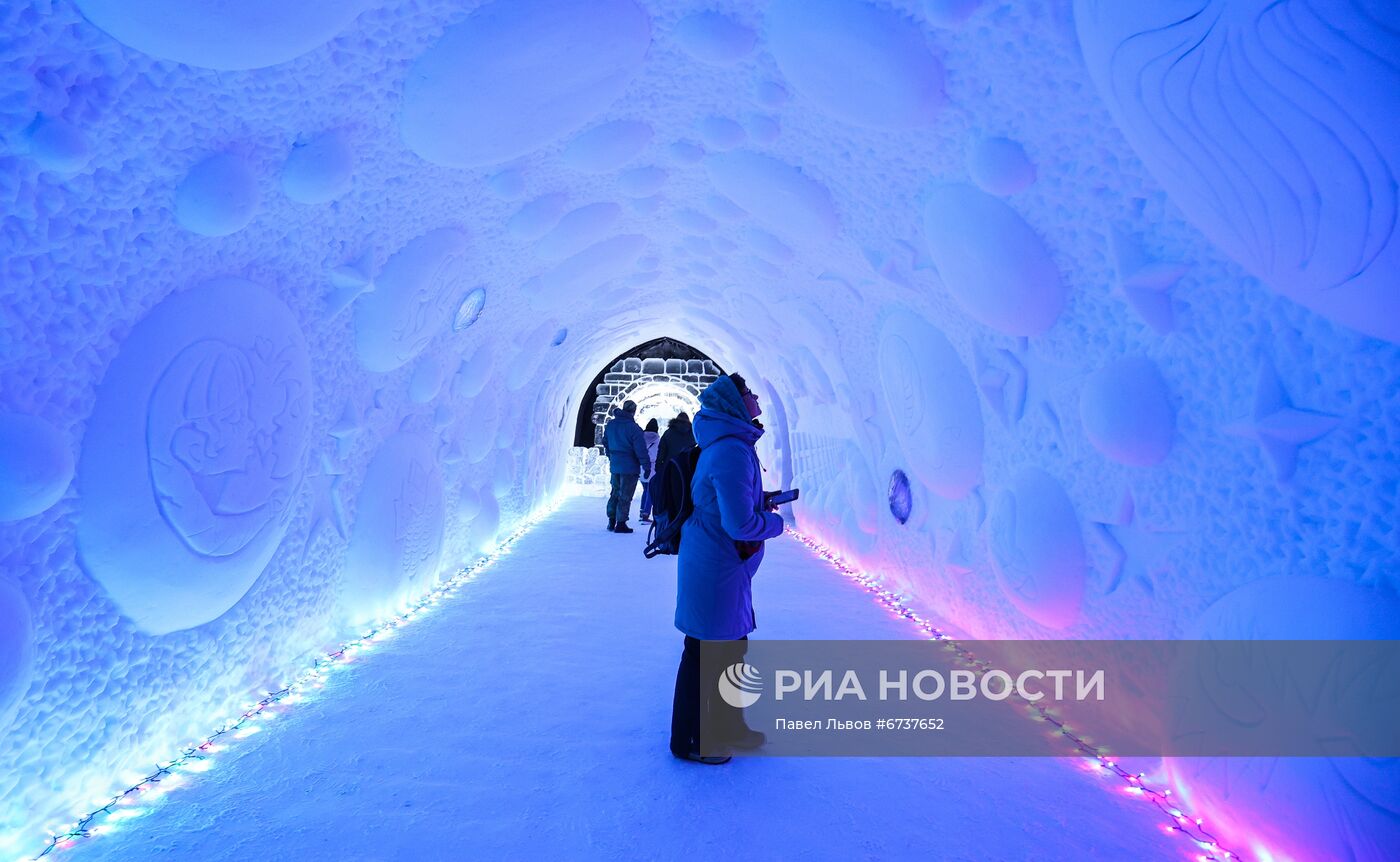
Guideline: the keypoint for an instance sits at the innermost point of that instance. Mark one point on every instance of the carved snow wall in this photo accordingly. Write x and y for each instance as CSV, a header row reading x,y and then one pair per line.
x,y
1072,319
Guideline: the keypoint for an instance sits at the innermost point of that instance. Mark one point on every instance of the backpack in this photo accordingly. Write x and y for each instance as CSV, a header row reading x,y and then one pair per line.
x,y
670,503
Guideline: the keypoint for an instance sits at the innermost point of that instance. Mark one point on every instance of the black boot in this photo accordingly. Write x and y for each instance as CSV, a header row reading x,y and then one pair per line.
x,y
612,525
708,760
747,739
623,528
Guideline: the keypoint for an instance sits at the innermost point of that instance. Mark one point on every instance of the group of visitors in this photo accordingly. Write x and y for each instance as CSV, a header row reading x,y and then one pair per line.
x,y
633,454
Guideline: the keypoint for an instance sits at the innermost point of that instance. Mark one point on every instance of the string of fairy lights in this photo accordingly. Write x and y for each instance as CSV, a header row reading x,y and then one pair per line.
x,y
135,801
1097,760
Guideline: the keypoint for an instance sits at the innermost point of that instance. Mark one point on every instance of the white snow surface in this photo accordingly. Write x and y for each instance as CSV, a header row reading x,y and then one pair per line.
x,y
527,718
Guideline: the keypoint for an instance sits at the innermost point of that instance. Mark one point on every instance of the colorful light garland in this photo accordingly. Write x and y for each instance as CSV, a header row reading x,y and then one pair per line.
x,y
194,758
1096,759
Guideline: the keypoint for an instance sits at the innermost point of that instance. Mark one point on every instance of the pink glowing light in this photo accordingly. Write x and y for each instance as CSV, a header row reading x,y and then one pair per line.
x,y
1134,784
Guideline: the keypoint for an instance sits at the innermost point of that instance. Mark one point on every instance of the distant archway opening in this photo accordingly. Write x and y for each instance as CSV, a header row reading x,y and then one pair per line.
x,y
662,375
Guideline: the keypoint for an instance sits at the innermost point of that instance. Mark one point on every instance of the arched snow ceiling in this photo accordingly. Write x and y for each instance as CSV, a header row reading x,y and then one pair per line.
x,y
1075,320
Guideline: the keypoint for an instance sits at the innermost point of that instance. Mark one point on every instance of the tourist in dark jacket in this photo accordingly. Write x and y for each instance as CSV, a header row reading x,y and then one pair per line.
x,y
627,459
721,549
677,439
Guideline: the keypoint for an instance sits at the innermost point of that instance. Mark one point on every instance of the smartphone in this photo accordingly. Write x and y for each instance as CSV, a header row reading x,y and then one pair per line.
x,y
778,498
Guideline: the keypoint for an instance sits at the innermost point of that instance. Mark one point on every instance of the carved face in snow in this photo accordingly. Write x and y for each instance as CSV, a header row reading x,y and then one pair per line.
x,y
221,471
194,454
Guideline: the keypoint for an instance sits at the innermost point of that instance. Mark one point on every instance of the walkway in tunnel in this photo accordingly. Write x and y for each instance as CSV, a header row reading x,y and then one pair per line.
x,y
528,718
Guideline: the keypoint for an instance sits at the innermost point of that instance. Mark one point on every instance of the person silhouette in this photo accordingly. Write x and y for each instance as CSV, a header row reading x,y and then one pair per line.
x,y
652,435
627,459
721,548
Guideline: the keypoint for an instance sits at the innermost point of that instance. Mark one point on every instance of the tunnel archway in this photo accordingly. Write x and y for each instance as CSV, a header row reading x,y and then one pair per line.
x,y
663,375
661,399
661,362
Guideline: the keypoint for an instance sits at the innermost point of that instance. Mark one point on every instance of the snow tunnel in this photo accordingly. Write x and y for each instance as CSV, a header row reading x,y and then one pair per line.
x,y
1073,320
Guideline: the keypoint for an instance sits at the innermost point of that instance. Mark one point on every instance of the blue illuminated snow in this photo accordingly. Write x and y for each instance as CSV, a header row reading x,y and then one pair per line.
x,y
763,128
319,170
722,207
578,229
594,265
484,528
933,404
1252,159
645,206
720,133
508,184
195,454
36,466
857,61
517,74
219,35
1000,166
1036,549
607,147
950,13
1127,412
694,221
767,245
473,374
57,145
685,152
218,196
428,376
1112,289
479,437
16,649
780,195
1286,607
415,296
771,94
535,218
397,539
642,182
503,472
991,261
714,38
523,367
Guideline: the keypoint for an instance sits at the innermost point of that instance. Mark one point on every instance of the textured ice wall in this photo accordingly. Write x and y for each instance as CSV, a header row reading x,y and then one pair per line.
x,y
1077,319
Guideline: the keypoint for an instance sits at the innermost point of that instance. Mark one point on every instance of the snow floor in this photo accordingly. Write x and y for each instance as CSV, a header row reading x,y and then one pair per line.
x,y
528,718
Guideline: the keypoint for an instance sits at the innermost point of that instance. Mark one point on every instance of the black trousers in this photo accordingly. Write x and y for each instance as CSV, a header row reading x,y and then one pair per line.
x,y
696,700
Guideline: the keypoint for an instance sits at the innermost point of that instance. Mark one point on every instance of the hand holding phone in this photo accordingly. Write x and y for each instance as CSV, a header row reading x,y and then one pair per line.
x,y
774,499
